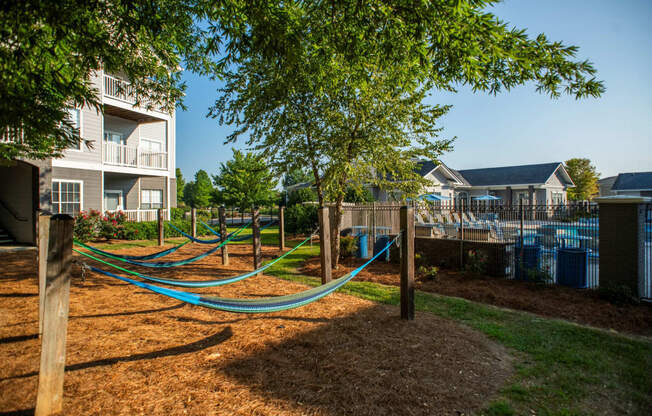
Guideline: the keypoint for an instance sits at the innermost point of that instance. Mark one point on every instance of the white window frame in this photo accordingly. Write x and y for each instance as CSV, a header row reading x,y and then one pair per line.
x,y
150,192
142,139
81,193
81,131
122,135
121,205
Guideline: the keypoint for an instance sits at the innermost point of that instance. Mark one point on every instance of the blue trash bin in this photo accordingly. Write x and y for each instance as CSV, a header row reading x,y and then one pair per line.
x,y
531,256
363,242
572,267
381,243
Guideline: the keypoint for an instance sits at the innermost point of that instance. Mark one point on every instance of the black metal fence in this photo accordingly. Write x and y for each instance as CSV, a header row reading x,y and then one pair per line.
x,y
646,291
553,244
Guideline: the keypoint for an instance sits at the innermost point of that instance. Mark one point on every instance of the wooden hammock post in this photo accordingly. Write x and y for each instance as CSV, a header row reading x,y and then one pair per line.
x,y
223,233
255,229
193,221
281,228
43,241
325,245
161,230
49,399
407,263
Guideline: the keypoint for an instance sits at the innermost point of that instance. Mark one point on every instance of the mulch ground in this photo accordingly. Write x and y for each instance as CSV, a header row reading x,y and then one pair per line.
x,y
131,352
581,306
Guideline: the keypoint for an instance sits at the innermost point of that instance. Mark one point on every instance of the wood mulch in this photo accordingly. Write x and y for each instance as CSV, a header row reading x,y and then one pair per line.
x,y
580,306
131,352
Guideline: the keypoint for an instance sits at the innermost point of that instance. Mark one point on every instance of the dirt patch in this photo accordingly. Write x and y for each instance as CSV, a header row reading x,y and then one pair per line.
x,y
133,352
581,306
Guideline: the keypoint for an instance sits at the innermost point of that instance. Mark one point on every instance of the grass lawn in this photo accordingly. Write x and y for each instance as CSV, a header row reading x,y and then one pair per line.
x,y
562,368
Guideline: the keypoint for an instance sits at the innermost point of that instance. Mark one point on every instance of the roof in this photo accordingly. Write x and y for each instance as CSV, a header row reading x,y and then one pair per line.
x,y
424,167
633,181
511,175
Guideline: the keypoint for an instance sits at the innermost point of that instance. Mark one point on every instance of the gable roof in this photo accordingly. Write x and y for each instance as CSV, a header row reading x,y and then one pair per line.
x,y
424,167
633,181
512,175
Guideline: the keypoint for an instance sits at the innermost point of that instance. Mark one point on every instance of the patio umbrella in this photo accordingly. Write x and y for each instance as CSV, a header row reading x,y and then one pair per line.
x,y
486,198
434,197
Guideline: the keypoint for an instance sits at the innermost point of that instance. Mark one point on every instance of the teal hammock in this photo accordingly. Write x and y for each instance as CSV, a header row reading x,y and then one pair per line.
x,y
197,240
196,283
260,305
160,264
152,256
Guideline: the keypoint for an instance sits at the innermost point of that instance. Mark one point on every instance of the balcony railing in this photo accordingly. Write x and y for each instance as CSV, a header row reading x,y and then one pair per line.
x,y
11,135
123,155
139,215
119,89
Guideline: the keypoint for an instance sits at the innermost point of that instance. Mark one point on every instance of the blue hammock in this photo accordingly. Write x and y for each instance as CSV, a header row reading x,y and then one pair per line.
x,y
145,257
162,264
259,305
196,240
198,283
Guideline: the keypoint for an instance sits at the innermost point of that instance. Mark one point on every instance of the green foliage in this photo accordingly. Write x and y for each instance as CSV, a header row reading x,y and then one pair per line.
x,y
87,225
429,273
178,213
361,194
618,294
476,262
112,225
301,219
181,184
348,246
198,193
295,176
246,181
302,195
50,50
585,177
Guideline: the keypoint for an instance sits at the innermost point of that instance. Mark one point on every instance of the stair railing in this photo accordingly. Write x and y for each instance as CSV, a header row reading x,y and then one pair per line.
x,y
12,212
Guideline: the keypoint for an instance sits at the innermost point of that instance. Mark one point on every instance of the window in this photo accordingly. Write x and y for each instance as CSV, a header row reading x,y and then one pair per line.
x,y
113,137
557,198
74,116
151,199
152,146
66,197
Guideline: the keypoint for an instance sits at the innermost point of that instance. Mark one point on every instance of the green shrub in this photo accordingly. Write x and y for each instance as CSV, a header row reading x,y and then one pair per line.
x,y
112,225
301,219
429,273
476,262
87,225
178,213
348,246
618,294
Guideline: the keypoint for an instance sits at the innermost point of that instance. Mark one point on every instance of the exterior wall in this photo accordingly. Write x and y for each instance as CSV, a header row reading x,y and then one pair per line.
x,y
91,129
128,128
173,192
91,188
127,184
155,183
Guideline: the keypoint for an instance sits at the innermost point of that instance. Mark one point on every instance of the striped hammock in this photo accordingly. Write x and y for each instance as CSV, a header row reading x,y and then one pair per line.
x,y
160,264
196,283
259,305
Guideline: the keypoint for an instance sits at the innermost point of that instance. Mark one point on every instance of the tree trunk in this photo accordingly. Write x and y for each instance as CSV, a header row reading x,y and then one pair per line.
x,y
336,225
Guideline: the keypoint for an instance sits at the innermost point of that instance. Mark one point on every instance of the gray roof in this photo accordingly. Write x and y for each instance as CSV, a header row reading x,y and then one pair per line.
x,y
510,175
633,181
425,166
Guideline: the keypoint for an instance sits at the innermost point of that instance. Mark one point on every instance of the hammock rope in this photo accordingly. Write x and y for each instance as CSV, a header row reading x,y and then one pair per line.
x,y
160,264
260,305
197,283
242,238
152,256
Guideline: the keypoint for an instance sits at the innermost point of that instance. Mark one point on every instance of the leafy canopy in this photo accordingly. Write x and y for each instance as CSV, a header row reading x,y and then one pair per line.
x,y
246,181
199,192
584,176
181,183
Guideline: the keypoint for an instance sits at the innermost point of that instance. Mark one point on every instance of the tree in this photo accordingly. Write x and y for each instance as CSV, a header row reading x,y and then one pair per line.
x,y
246,181
343,94
296,176
199,192
358,195
181,183
584,176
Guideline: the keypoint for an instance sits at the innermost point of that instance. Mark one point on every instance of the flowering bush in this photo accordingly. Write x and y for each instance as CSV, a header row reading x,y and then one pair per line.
x,y
112,225
476,262
87,225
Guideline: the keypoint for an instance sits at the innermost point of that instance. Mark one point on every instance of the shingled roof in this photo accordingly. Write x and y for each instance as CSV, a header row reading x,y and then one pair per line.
x,y
510,175
633,181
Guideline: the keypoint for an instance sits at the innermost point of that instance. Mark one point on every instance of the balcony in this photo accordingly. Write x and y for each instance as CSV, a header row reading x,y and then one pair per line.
x,y
11,135
139,215
118,89
129,156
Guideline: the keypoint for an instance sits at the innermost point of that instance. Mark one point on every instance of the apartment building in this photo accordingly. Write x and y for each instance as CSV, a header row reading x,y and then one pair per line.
x,y
129,166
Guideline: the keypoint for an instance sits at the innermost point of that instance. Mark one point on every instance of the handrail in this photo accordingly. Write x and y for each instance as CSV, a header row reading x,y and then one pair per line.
x,y
12,212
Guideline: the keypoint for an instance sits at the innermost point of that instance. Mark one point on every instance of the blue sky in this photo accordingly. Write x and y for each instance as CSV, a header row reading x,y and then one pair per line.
x,y
520,126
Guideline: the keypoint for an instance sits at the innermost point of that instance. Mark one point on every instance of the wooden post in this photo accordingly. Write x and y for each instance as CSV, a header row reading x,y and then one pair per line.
x,y
55,317
223,234
43,241
325,245
461,234
255,229
281,228
407,263
193,221
161,229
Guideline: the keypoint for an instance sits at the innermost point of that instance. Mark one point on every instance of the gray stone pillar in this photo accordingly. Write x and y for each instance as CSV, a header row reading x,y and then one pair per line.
x,y
622,241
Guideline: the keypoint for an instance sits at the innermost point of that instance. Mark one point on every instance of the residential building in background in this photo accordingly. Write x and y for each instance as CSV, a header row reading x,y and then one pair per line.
x,y
633,184
130,166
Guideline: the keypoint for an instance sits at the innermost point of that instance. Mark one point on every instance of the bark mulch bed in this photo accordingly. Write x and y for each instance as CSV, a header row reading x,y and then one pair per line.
x,y
581,306
131,352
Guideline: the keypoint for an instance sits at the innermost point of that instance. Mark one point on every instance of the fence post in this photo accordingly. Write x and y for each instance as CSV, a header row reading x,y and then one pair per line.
x,y
193,221
281,228
325,244
43,241
255,229
49,399
161,230
461,234
223,234
407,263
